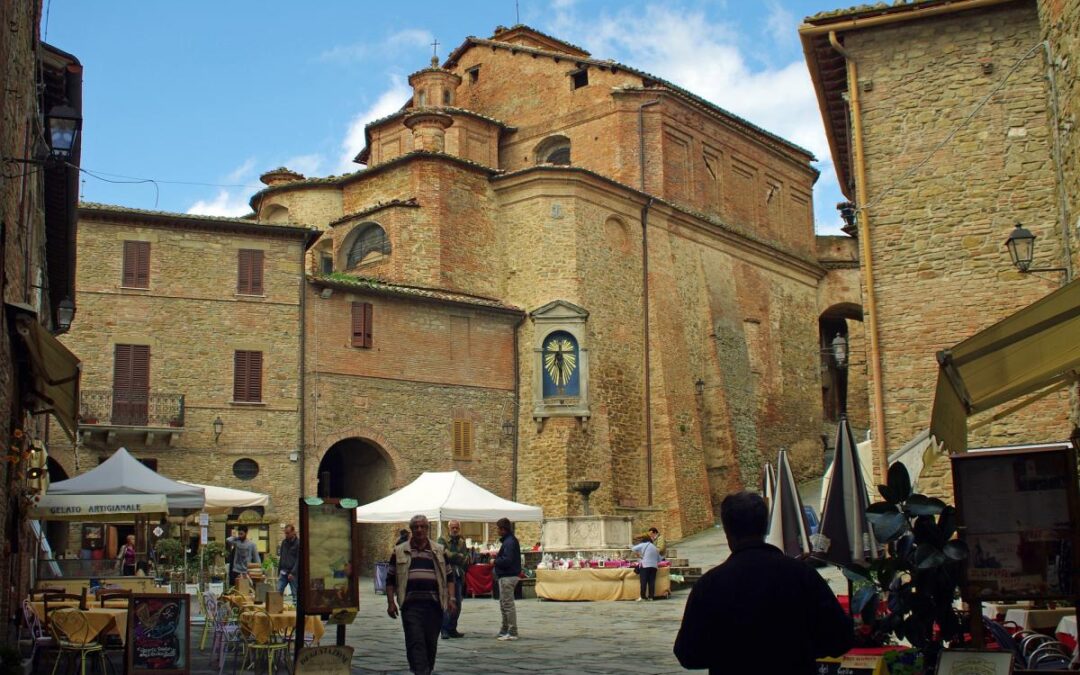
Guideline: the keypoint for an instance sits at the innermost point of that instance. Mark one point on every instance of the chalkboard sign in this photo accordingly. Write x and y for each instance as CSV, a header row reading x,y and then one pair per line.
x,y
159,632
1017,512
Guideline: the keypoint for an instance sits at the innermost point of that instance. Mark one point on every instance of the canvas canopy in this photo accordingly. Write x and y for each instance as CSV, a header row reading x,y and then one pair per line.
x,y
122,475
443,496
223,499
1034,349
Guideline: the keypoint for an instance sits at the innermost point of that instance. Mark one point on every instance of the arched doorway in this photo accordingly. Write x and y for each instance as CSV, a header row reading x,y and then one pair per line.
x,y
358,468
56,531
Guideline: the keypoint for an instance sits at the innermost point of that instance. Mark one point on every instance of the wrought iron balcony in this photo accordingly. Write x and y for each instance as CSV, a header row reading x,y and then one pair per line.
x,y
153,412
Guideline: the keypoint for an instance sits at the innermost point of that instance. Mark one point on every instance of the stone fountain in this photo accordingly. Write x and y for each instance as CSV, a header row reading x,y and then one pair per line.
x,y
585,488
588,532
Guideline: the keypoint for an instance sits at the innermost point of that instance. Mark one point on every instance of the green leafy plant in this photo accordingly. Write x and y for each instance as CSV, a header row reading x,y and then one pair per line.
x,y
269,564
920,575
170,552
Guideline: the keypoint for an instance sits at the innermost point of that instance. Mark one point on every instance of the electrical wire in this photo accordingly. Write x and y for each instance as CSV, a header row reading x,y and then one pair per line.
x,y
182,182
157,190
952,134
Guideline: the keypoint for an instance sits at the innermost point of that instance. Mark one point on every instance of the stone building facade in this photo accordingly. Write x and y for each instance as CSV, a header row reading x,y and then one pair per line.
x,y
165,348
957,129
38,194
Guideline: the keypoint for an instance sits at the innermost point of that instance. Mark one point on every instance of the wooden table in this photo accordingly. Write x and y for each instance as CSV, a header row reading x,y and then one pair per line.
x,y
283,622
595,583
38,606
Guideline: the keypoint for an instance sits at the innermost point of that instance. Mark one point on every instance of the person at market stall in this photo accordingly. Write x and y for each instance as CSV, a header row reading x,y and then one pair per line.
x,y
650,562
418,582
289,561
402,536
658,540
458,555
759,611
126,559
507,569
244,552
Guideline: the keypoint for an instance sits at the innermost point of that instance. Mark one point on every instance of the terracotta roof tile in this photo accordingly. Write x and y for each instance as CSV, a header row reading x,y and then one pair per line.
x,y
349,281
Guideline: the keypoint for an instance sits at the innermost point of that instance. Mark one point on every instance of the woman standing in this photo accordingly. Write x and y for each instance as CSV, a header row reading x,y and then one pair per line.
x,y
127,557
650,561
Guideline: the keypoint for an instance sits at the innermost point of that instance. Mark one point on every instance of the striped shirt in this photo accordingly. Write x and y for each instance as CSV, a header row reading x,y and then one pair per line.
x,y
422,583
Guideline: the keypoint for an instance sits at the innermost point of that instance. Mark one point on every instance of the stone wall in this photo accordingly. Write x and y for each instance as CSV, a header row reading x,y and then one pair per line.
x,y
937,234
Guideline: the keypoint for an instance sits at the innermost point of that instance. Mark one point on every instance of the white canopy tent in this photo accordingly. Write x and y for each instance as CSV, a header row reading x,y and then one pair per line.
x,y
444,496
122,474
222,499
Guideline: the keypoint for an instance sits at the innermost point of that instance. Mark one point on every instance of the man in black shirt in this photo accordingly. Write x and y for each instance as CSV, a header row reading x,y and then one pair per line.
x,y
289,561
760,611
507,570
418,582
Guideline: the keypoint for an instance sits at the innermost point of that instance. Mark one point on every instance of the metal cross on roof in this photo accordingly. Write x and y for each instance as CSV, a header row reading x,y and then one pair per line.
x,y
435,47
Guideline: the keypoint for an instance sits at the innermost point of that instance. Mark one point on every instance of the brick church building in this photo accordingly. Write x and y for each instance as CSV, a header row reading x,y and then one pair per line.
x,y
553,269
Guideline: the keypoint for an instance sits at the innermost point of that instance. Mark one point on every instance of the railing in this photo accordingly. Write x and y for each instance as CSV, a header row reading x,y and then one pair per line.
x,y
102,407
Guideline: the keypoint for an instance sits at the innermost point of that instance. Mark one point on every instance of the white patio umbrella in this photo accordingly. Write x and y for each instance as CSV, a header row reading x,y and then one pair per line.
x,y
787,522
768,483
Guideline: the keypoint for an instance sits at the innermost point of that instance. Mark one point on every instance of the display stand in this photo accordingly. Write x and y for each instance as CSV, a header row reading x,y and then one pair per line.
x,y
329,564
1017,511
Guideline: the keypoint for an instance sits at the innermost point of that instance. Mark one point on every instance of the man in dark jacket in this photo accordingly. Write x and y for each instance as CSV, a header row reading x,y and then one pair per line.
x,y
739,612
507,569
458,555
289,561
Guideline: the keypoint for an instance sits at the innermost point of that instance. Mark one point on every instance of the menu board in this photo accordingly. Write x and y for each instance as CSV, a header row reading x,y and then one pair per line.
x,y
159,634
330,550
1016,511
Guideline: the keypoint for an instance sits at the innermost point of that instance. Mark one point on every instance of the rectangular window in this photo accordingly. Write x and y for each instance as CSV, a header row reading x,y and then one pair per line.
x,y
247,376
474,74
463,439
362,324
136,264
579,78
326,264
249,271
131,385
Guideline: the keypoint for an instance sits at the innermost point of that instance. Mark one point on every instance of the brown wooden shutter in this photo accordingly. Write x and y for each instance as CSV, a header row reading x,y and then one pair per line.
x,y
136,264
361,324
131,384
247,376
249,272
463,439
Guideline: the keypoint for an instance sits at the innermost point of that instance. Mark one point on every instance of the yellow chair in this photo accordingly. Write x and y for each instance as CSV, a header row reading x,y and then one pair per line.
x,y
276,645
67,622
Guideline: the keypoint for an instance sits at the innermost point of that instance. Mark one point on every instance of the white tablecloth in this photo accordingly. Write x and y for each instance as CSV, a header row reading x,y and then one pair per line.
x,y
1067,625
1042,620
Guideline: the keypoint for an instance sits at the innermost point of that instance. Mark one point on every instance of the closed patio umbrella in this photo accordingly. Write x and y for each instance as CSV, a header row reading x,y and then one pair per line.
x,y
787,522
845,535
768,483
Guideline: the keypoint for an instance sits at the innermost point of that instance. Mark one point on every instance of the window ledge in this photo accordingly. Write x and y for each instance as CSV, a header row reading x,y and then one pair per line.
x,y
253,404
249,297
135,288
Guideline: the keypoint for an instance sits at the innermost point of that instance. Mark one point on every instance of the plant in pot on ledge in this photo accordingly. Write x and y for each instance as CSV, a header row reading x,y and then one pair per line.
x,y
170,554
920,575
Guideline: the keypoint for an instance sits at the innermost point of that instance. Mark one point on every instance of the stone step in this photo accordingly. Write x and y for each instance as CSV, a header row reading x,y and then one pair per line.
x,y
677,562
686,570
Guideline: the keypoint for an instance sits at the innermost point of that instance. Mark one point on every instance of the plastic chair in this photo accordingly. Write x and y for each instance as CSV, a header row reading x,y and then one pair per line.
x,y
276,645
1050,655
75,621
1005,640
226,633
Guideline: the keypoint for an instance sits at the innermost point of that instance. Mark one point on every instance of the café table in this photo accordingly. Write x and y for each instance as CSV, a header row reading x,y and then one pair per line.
x,y
284,622
479,579
596,583
38,606
1041,620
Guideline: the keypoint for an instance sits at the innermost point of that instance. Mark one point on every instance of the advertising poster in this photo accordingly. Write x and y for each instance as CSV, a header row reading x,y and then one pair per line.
x,y
158,635
331,555
1016,515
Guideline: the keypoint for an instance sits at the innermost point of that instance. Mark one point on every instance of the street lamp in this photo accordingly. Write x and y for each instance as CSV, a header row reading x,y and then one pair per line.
x,y
508,428
65,314
1021,245
840,351
219,426
64,123
847,213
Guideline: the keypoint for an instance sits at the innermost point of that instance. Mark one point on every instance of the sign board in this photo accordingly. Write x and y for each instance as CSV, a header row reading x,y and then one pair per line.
x,y
204,537
216,587
204,519
158,531
324,661
159,633
330,555
1017,511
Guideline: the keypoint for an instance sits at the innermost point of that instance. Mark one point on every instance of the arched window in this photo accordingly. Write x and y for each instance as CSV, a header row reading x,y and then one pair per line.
x,y
553,150
371,242
276,213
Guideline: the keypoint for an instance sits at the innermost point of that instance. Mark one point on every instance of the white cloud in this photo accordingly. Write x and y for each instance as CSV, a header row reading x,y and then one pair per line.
x,y
410,37
242,172
780,24
359,51
308,165
227,203
390,101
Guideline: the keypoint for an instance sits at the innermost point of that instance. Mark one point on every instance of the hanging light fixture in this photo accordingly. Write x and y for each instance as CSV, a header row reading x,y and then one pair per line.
x,y
65,314
219,426
840,351
1021,245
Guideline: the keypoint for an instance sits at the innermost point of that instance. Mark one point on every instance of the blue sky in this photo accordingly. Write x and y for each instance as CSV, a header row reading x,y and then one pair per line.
x,y
202,96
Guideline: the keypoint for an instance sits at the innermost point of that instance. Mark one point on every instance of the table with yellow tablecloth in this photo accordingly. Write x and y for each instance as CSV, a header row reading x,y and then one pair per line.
x,y
98,620
283,622
39,606
594,583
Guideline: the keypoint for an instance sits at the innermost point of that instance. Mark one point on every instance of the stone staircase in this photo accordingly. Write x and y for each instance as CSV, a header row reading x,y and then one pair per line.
x,y
682,568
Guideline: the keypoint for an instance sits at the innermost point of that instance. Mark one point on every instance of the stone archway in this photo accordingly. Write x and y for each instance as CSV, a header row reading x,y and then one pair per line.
x,y
358,468
843,386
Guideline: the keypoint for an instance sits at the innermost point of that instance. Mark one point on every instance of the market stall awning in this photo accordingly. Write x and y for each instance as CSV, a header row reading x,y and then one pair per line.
x,y
1034,349
122,475
442,496
222,499
54,369
97,507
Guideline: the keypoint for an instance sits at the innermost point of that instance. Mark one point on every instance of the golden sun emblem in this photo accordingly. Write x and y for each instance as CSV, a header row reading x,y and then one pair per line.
x,y
559,360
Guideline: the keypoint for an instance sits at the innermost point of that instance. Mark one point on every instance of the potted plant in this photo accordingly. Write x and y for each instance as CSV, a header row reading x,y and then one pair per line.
x,y
919,576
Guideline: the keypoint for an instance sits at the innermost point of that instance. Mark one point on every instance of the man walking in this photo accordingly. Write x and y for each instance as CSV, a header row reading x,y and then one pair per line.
x,y
418,582
289,561
244,552
458,555
737,611
507,569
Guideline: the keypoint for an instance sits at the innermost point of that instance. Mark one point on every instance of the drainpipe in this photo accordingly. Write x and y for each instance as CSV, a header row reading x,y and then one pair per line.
x,y
517,413
645,300
302,408
866,255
